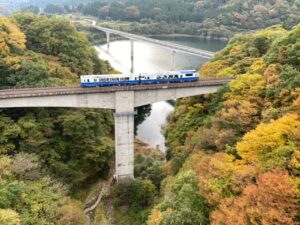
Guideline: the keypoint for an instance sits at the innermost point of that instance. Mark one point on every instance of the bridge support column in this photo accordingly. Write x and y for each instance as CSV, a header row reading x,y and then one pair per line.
x,y
108,40
172,59
132,56
124,134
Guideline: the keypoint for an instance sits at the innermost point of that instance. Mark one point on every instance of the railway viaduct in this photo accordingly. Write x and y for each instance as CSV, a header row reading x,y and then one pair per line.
x,y
121,99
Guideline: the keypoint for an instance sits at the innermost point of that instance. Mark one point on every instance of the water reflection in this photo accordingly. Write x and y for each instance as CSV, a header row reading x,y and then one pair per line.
x,y
153,58
150,130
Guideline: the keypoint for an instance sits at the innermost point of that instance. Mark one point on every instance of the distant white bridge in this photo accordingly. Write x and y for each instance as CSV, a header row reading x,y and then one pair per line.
x,y
171,46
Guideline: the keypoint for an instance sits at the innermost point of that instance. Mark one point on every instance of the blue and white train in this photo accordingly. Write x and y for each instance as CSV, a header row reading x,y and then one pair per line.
x,y
142,78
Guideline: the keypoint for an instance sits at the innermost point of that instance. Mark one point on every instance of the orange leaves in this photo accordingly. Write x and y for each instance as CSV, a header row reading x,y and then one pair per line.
x,y
236,50
271,201
215,174
271,74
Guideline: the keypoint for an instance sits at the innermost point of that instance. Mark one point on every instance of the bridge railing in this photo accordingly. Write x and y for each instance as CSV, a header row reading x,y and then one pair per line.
x,y
3,88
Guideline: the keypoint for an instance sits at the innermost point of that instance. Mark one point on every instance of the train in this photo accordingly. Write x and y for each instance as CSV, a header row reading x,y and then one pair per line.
x,y
138,79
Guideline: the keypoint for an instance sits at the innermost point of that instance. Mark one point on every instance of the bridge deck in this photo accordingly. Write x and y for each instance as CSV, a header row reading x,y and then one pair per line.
x,y
52,91
169,45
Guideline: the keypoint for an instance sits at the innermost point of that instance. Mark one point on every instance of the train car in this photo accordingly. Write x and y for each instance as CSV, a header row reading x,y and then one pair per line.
x,y
106,80
142,78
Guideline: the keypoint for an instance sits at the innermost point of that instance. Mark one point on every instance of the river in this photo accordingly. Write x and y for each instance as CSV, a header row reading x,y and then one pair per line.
x,y
153,58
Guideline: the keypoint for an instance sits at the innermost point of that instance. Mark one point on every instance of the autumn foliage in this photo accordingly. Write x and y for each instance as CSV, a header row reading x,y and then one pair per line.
x,y
271,201
244,142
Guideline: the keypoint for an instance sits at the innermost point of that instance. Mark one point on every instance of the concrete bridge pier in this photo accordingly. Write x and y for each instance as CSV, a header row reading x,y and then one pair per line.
x,y
132,56
172,59
124,134
108,40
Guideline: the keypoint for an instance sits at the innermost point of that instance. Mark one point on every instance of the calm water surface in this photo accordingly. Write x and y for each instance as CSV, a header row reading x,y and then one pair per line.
x,y
152,58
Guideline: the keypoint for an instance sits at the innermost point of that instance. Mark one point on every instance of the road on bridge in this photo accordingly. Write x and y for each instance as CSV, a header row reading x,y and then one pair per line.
x,y
165,44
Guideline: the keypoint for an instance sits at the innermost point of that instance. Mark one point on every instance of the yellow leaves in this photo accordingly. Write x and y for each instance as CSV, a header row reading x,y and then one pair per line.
x,y
227,72
271,32
211,69
12,63
268,137
58,71
195,109
5,165
9,217
236,50
156,216
10,37
258,66
242,108
239,112
247,85
216,175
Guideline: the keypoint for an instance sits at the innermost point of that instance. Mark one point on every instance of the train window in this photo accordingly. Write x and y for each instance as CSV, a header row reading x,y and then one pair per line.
x,y
88,80
148,78
180,76
189,75
95,80
171,76
176,76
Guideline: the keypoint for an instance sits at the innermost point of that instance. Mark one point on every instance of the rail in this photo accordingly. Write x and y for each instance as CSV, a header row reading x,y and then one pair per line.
x,y
55,91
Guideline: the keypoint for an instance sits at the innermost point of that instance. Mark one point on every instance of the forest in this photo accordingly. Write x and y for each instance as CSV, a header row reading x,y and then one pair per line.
x,y
199,17
47,155
233,157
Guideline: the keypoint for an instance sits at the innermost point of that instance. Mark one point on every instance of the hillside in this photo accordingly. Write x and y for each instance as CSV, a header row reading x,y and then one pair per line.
x,y
234,156
199,17
47,155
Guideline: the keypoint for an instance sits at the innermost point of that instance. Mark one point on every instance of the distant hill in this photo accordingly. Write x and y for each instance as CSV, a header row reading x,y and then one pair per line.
x,y
225,16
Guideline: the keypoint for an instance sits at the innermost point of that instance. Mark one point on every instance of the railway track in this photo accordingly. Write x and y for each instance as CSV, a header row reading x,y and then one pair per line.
x,y
52,91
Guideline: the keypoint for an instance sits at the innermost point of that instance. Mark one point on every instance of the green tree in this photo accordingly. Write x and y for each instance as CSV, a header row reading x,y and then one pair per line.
x,y
137,193
185,206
